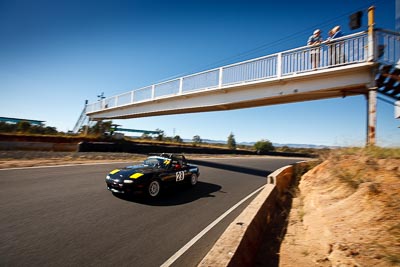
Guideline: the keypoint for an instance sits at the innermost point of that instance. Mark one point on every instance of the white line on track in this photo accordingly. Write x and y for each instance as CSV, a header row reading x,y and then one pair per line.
x,y
180,252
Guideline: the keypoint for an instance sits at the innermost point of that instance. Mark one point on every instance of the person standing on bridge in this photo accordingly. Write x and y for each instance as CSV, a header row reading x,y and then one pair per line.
x,y
315,53
335,48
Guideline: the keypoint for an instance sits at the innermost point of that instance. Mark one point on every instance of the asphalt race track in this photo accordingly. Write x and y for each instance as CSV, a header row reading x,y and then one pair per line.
x,y
65,216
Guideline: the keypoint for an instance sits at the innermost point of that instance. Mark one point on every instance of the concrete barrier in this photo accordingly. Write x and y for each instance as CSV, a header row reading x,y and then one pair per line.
x,y
239,244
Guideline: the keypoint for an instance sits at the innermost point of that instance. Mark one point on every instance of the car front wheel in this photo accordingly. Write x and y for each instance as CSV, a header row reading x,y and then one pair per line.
x,y
154,188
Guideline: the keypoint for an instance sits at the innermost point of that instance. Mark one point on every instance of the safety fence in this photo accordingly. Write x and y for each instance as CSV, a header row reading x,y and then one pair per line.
x,y
350,49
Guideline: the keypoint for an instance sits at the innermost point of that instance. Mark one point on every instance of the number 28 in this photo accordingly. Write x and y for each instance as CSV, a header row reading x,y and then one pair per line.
x,y
180,176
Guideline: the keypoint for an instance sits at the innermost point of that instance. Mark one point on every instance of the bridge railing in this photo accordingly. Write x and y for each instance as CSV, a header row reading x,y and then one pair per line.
x,y
342,51
346,50
387,48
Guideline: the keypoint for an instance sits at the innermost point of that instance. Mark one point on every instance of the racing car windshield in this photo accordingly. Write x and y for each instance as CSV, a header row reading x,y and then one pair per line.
x,y
157,162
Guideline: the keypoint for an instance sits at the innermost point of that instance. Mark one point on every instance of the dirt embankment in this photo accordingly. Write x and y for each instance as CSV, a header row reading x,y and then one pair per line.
x,y
346,212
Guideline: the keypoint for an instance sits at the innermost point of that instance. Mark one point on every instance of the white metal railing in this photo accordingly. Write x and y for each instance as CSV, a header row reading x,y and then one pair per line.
x,y
250,70
387,48
345,50
349,49
203,80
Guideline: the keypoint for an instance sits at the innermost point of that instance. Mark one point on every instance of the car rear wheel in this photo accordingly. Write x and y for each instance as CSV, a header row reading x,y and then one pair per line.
x,y
193,179
154,188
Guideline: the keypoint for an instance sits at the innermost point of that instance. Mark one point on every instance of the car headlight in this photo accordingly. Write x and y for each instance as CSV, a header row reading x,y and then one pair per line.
x,y
128,181
108,177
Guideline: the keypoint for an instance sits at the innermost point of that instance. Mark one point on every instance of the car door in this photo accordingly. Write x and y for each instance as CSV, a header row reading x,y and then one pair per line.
x,y
183,171
174,172
178,169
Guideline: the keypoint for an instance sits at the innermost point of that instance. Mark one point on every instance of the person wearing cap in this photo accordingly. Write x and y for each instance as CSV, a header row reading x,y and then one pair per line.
x,y
335,48
315,53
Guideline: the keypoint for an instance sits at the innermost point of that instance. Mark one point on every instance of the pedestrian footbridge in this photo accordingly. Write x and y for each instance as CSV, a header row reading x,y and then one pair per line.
x,y
348,66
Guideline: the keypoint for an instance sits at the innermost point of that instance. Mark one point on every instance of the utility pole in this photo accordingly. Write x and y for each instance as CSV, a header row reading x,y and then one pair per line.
x,y
371,128
372,91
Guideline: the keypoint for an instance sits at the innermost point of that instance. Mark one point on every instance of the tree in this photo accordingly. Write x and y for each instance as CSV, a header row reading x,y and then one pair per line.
x,y
231,141
23,126
263,146
178,139
100,128
7,127
160,136
50,130
145,136
196,139
27,127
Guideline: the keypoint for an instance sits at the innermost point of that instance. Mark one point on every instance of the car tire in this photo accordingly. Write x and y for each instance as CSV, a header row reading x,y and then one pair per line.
x,y
193,179
154,188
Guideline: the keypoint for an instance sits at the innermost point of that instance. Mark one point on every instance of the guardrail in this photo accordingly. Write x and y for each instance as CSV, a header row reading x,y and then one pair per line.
x,y
346,50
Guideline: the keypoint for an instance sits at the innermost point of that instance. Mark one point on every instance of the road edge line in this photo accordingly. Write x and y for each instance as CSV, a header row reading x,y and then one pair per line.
x,y
181,251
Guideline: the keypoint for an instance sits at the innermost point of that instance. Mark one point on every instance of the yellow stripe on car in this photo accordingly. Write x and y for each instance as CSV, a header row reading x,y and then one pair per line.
x,y
136,175
114,171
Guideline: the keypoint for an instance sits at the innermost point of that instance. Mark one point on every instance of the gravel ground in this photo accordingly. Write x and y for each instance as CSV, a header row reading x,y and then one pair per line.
x,y
18,159
29,155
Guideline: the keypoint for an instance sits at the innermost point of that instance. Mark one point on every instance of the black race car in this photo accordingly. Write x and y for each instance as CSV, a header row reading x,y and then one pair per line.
x,y
150,176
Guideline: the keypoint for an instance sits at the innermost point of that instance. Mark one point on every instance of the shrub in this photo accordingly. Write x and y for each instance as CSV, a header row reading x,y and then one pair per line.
x,y
263,146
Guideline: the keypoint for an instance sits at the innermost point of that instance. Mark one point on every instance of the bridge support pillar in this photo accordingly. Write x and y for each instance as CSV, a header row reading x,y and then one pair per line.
x,y
371,117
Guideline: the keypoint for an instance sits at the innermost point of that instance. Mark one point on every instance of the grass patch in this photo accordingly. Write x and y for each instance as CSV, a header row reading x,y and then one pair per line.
x,y
349,178
373,152
357,174
393,259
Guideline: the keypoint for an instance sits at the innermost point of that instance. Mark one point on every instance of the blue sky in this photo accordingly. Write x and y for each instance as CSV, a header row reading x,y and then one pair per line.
x,y
55,54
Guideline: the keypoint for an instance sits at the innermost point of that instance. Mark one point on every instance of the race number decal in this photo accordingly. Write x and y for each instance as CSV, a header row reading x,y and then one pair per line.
x,y
180,176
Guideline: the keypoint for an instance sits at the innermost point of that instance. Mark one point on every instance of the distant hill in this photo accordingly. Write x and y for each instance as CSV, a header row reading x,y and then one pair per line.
x,y
209,141
304,146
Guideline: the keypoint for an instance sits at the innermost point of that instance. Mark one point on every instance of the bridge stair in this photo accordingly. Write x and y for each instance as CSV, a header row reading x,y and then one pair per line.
x,y
388,81
83,118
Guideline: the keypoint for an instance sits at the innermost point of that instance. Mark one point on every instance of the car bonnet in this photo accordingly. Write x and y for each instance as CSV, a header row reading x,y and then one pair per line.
x,y
132,172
